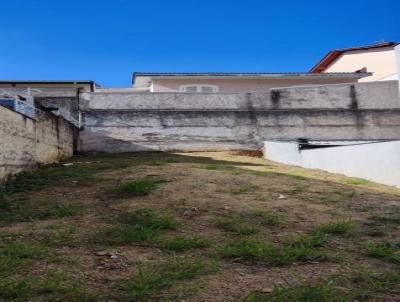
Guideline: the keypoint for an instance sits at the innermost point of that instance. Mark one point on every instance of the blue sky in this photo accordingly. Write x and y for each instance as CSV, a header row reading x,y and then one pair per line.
x,y
106,41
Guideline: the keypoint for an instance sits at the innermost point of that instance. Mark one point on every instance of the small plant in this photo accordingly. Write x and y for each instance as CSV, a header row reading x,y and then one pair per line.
x,y
384,251
124,234
148,218
307,292
339,227
366,283
357,181
14,254
236,225
243,190
140,187
267,217
37,209
54,286
151,280
182,243
255,250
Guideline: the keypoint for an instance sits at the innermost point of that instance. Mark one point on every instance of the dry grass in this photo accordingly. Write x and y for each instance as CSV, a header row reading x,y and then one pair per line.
x,y
216,226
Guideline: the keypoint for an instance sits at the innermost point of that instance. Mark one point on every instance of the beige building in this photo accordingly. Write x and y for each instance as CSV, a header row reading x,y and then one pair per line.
x,y
234,82
379,59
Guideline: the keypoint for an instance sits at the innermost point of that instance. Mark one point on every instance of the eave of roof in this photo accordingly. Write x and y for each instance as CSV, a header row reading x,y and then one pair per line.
x,y
334,54
248,74
49,82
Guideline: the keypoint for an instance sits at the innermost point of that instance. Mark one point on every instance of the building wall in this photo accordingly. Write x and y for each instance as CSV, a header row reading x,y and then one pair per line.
x,y
382,62
115,122
377,161
243,85
26,142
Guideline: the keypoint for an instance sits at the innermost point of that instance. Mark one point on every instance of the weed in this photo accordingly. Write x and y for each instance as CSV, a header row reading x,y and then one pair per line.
x,y
366,283
37,209
60,236
384,251
148,218
14,254
357,181
243,190
339,227
307,292
236,225
267,217
140,187
252,249
317,239
124,234
55,286
151,280
182,243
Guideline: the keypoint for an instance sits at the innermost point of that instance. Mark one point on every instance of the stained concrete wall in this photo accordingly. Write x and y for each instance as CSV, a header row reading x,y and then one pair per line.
x,y
377,161
115,122
25,142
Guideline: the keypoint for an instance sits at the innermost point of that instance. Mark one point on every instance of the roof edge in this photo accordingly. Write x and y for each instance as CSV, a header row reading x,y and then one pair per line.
x,y
335,53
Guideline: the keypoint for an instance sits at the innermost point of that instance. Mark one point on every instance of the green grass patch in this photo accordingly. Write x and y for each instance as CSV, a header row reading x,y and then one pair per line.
x,y
16,254
307,292
356,181
153,280
339,227
265,217
55,286
25,209
243,190
59,235
140,226
366,283
237,225
183,243
385,251
149,218
139,187
255,250
124,234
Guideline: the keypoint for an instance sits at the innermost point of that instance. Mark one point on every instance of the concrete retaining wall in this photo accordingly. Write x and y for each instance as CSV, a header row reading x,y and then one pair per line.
x,y
26,142
116,122
378,161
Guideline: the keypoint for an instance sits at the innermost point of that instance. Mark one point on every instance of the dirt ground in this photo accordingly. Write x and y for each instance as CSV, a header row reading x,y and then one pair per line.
x,y
198,189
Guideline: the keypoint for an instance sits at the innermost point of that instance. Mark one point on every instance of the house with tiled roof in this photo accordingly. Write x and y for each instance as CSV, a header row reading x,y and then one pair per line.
x,y
381,60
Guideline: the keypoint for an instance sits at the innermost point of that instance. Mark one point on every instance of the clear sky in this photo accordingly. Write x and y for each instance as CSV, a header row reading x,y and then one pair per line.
x,y
106,41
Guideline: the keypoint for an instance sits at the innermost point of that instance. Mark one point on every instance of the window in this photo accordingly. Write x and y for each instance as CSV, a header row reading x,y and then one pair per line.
x,y
198,88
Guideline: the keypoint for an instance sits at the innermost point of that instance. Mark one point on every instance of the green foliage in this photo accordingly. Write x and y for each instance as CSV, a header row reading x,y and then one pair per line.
x,y
384,251
149,218
357,181
55,286
15,254
266,217
141,226
140,187
124,234
235,224
37,209
339,227
299,249
152,279
183,243
307,292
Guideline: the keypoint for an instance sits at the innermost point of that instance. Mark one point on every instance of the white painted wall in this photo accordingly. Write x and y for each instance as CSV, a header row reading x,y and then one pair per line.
x,y
379,161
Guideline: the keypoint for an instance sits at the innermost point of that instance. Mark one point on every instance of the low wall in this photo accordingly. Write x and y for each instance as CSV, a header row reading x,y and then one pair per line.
x,y
27,142
377,161
122,122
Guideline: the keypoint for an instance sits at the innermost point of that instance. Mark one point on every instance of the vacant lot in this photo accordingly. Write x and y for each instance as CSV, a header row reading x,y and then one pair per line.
x,y
196,227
